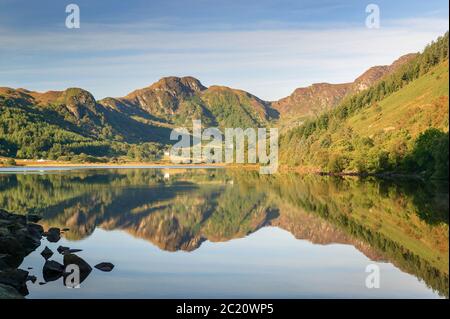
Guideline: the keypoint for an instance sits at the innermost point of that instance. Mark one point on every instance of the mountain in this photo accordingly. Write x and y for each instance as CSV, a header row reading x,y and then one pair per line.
x,y
76,110
65,124
177,101
73,116
70,123
399,124
161,101
319,97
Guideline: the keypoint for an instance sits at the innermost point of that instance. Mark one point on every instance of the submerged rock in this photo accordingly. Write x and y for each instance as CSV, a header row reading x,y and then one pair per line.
x,y
105,266
47,253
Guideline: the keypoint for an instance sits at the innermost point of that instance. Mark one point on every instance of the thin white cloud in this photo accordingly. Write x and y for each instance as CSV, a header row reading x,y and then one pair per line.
x,y
111,61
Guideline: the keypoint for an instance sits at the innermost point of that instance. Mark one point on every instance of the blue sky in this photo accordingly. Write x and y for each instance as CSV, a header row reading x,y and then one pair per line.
x,y
266,47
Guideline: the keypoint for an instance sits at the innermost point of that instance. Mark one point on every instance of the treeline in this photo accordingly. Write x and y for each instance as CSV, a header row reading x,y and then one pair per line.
x,y
429,156
364,154
26,134
434,54
81,152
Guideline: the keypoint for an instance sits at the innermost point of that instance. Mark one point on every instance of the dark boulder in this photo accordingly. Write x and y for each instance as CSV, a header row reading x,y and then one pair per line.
x,y
29,239
53,230
15,278
105,266
8,292
47,253
51,265
8,261
33,218
53,235
62,249
71,251
4,231
6,216
3,263
35,229
32,279
10,245
18,238
83,266
52,270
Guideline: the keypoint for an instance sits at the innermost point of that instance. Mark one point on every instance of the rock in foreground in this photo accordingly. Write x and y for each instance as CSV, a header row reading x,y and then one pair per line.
x,y
83,266
53,235
8,292
18,238
62,249
105,266
47,253
52,270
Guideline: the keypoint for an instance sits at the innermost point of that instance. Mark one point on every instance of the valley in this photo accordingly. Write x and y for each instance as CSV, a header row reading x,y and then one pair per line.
x,y
389,120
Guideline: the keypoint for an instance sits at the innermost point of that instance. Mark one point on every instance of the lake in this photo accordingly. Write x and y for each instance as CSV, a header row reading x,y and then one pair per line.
x,y
219,233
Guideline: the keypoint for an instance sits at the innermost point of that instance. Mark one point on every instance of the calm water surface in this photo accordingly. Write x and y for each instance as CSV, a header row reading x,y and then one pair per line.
x,y
205,233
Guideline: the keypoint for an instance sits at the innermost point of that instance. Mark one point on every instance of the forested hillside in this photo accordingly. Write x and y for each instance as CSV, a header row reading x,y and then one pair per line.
x,y
390,119
320,97
400,124
72,125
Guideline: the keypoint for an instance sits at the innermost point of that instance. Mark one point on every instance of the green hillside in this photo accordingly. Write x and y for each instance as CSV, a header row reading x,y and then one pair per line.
x,y
398,125
70,125
236,108
177,101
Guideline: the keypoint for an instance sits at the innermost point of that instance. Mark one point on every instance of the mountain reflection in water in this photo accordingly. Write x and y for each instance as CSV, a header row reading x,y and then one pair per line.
x,y
405,224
